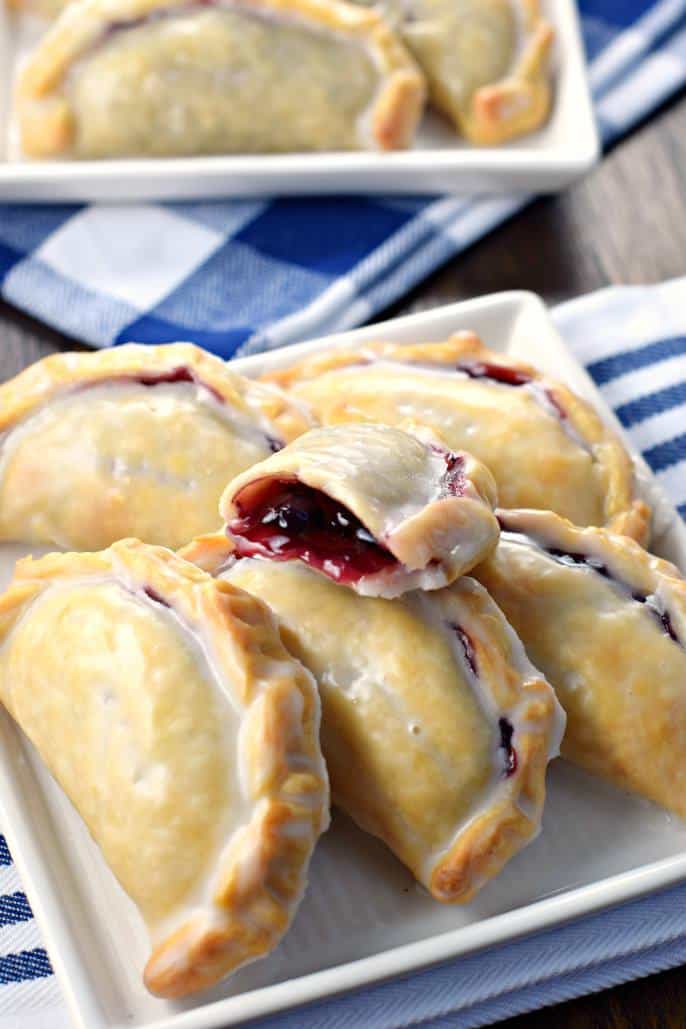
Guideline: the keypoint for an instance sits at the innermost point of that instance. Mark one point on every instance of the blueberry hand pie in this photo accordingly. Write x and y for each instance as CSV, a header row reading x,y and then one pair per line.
x,y
545,446
436,729
166,707
486,62
113,78
368,505
132,441
606,622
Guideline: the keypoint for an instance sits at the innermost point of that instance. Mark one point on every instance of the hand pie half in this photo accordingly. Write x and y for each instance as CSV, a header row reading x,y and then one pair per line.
x,y
369,506
165,705
606,622
113,78
546,447
486,62
136,440
435,728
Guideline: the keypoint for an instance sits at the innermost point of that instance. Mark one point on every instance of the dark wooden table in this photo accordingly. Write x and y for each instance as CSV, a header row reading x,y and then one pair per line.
x,y
624,224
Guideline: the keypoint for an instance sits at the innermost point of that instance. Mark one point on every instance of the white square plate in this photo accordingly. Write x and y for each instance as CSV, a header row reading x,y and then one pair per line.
x,y
547,160
362,919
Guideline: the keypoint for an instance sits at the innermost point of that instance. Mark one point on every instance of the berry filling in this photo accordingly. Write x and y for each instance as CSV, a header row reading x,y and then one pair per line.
x,y
506,734
180,374
497,372
285,519
155,596
454,481
467,648
505,727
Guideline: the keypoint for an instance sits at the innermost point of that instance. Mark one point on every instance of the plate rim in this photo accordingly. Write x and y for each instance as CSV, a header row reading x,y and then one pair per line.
x,y
367,171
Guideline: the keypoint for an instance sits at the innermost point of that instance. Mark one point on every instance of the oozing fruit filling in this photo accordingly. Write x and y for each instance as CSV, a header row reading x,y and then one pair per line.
x,y
497,372
505,727
287,520
506,734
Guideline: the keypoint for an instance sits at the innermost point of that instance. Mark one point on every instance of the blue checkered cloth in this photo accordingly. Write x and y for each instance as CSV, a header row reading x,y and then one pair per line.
x,y
633,343
245,275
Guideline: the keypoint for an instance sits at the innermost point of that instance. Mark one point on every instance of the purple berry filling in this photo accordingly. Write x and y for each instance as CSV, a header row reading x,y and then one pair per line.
x,y
467,648
155,596
496,372
180,374
506,734
286,520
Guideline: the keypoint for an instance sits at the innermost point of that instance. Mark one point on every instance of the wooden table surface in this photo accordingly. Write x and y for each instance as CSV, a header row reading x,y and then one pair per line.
x,y
624,224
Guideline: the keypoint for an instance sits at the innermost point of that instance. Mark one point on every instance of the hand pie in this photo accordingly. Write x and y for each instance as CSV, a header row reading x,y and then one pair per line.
x,y
436,729
606,622
367,505
166,77
486,62
166,707
545,446
132,441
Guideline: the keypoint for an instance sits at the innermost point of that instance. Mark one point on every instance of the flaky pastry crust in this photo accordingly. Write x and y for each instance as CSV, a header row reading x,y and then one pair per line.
x,y
606,622
429,508
515,105
247,882
411,683
49,123
500,430
88,455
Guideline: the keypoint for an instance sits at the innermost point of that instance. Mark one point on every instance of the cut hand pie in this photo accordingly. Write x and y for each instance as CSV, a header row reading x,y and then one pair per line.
x,y
370,506
486,62
606,622
167,77
545,446
436,729
165,705
132,441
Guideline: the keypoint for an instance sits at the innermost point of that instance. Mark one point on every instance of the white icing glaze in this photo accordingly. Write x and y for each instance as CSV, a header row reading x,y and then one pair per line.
x,y
430,612
236,821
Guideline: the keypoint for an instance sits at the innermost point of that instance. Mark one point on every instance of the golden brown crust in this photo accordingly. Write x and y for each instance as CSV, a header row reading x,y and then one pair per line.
x,y
41,381
47,123
394,483
509,815
260,876
606,621
518,104
624,513
510,818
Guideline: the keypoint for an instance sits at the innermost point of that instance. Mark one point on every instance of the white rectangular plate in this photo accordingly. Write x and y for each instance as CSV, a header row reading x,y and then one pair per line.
x,y
362,918
547,160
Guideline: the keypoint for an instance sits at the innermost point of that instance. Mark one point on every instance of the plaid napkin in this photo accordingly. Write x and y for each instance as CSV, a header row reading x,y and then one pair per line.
x,y
245,275
633,342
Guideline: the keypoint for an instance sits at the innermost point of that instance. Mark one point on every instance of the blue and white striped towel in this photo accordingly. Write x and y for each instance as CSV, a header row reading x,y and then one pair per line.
x,y
633,342
254,274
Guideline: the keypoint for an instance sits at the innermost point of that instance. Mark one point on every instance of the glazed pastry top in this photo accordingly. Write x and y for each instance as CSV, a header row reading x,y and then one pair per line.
x,y
436,729
158,77
165,705
136,440
546,447
368,505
